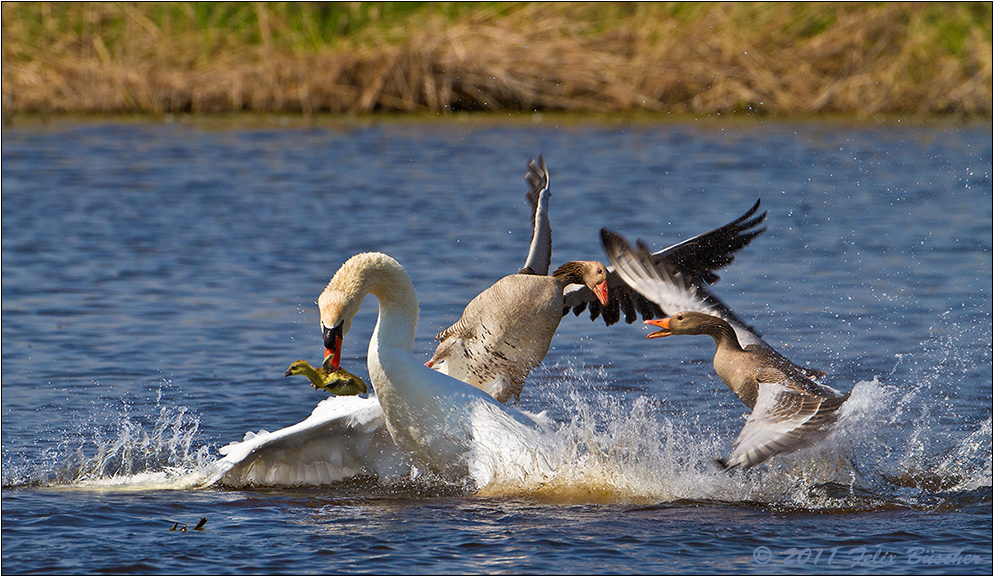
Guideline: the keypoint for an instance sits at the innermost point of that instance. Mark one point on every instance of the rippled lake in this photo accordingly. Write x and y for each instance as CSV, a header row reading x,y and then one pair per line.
x,y
158,278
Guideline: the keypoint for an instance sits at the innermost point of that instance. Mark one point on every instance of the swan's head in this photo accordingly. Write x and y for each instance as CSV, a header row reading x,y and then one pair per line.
x,y
337,313
339,303
364,273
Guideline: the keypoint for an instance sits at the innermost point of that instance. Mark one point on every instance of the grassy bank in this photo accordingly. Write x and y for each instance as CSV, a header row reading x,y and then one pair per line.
x,y
688,58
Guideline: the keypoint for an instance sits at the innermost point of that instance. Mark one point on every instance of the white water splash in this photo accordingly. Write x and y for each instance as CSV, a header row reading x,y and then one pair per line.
x,y
888,447
129,456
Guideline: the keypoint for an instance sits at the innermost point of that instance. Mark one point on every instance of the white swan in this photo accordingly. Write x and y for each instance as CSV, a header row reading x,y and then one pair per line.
x,y
427,413
434,421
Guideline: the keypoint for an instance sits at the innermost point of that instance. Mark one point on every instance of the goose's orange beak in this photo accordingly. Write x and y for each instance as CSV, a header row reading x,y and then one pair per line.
x,y
601,291
333,346
661,323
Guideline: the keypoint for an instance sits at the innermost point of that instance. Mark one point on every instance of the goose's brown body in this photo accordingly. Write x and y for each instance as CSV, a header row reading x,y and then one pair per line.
x,y
789,409
506,331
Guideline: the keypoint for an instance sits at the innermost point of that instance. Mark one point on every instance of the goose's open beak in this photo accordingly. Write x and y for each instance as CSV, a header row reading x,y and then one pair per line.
x,y
333,346
601,291
661,323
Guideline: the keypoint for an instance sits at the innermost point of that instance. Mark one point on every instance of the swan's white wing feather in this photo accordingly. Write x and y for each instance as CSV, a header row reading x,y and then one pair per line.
x,y
343,437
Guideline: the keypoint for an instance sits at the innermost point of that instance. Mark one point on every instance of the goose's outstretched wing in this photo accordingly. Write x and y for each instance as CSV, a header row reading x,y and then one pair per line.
x,y
699,257
695,259
785,418
673,292
668,288
540,248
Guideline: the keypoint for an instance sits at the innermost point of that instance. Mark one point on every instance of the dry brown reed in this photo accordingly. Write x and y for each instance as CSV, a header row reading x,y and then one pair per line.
x,y
785,59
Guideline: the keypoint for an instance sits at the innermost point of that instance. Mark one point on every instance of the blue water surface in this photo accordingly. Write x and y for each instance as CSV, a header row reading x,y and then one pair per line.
x,y
158,278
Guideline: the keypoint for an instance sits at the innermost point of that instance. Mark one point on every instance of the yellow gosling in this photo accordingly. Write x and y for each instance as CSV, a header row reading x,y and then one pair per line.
x,y
340,382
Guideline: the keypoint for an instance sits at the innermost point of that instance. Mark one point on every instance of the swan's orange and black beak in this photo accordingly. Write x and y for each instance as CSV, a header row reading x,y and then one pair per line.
x,y
661,323
601,291
333,345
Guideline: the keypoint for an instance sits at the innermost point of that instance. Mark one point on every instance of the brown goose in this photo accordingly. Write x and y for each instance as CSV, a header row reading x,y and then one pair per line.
x,y
507,329
789,410
671,291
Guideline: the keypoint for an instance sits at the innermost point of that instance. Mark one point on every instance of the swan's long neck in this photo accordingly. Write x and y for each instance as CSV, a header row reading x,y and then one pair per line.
x,y
398,303
414,402
383,277
390,358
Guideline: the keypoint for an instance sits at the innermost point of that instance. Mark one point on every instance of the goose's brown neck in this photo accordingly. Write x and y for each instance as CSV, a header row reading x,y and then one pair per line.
x,y
723,335
569,273
732,363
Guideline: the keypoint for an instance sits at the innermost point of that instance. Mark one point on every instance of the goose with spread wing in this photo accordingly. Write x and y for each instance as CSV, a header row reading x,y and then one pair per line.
x,y
507,330
789,409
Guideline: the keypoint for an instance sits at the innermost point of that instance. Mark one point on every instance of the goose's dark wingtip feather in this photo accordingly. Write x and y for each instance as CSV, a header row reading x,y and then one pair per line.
x,y
609,238
700,256
750,212
723,463
537,178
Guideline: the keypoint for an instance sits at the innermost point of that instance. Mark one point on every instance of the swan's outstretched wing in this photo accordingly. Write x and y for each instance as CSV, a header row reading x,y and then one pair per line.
x,y
540,248
343,437
784,419
695,259
673,292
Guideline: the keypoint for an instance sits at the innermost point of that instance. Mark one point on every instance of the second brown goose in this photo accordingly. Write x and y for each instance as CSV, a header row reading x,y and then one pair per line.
x,y
789,409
